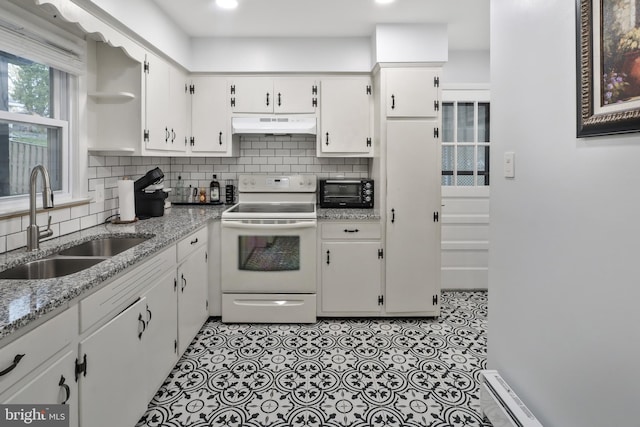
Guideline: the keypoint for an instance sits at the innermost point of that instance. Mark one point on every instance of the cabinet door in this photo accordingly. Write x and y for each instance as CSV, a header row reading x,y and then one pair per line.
x,y
161,335
251,95
192,296
54,386
413,237
113,391
210,121
411,92
179,102
157,104
346,113
350,276
295,95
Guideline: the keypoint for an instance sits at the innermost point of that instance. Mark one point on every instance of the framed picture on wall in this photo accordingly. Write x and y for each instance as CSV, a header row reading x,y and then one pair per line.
x,y
608,67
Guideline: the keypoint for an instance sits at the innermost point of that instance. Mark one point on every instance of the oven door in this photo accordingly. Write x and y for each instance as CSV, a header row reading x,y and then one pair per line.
x,y
268,256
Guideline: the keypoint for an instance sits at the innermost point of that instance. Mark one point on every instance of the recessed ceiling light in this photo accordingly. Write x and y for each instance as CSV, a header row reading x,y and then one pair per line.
x,y
384,1
227,4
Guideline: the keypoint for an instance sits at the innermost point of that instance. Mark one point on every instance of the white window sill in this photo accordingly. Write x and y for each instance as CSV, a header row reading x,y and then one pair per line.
x,y
20,208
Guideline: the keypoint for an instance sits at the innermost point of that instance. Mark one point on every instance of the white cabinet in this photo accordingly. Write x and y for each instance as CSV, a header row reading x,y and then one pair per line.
x,y
56,385
290,95
161,332
192,287
167,106
412,92
113,385
351,266
210,119
346,126
412,218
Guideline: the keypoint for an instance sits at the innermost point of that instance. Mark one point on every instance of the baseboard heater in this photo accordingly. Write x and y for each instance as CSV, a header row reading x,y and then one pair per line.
x,y
501,405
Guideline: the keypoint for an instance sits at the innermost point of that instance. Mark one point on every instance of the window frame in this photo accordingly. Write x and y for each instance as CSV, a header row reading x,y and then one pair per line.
x,y
455,96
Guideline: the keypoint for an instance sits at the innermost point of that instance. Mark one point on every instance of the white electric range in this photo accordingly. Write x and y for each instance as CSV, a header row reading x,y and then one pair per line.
x,y
269,251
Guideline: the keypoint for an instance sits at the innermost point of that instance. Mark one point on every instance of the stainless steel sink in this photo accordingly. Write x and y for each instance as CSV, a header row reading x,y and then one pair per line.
x,y
48,268
103,247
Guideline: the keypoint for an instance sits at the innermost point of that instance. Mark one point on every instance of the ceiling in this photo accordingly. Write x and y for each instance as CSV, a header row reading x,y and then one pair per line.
x,y
468,20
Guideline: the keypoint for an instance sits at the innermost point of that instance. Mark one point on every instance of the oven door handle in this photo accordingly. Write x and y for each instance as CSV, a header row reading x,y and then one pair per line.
x,y
289,226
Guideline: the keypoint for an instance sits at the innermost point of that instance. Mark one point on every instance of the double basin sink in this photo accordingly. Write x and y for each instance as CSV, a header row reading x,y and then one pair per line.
x,y
73,259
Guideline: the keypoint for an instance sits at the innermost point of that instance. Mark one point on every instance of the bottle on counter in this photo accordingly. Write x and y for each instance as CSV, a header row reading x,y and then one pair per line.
x,y
214,191
179,193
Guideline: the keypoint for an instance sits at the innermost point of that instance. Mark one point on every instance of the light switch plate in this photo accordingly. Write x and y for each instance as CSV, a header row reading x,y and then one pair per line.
x,y
99,193
509,164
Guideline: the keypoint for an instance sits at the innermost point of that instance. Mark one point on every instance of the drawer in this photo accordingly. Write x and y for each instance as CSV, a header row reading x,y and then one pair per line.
x,y
191,242
351,230
124,289
277,308
37,346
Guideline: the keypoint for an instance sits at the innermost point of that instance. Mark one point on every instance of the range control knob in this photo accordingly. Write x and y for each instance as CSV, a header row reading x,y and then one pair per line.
x,y
367,199
367,185
367,192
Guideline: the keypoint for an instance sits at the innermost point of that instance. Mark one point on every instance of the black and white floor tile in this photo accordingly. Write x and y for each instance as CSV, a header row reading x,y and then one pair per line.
x,y
337,372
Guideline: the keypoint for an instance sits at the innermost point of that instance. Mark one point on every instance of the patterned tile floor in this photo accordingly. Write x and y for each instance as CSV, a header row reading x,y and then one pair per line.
x,y
337,372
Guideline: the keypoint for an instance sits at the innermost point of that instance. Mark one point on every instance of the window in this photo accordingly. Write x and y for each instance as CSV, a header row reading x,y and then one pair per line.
x,y
465,143
33,124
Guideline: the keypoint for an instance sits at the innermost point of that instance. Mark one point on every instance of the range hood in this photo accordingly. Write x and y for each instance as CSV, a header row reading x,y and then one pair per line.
x,y
278,125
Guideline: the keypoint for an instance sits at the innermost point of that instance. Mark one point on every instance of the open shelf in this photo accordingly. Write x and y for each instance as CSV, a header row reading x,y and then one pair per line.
x,y
111,151
112,97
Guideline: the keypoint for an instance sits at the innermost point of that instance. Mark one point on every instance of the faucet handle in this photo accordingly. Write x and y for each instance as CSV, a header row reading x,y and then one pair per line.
x,y
47,232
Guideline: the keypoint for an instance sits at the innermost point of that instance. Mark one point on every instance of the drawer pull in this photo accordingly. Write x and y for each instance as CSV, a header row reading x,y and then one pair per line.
x,y
346,230
328,257
16,360
184,283
148,317
67,390
144,326
194,241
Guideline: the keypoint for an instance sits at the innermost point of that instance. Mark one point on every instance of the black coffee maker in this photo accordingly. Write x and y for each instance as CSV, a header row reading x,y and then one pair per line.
x,y
149,203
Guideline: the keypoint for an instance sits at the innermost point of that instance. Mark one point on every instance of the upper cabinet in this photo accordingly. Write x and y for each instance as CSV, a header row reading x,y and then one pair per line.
x,y
167,106
210,121
346,126
412,92
290,95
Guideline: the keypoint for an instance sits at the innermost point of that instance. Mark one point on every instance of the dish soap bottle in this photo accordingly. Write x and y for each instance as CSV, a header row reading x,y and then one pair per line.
x,y
214,191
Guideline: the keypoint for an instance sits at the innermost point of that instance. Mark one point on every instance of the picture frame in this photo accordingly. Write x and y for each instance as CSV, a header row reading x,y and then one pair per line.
x,y
608,67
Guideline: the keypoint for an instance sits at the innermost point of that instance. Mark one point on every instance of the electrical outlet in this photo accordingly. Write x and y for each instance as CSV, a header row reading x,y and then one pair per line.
x,y
99,193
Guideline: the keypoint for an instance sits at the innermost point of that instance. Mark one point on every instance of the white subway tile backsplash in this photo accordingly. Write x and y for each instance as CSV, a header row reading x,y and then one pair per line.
x,y
79,211
16,240
88,221
72,226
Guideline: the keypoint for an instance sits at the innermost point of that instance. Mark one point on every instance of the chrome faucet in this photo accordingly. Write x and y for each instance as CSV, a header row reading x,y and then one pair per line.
x,y
34,235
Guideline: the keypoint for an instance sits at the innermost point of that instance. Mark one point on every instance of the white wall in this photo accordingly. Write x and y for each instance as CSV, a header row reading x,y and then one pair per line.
x,y
340,54
466,66
563,276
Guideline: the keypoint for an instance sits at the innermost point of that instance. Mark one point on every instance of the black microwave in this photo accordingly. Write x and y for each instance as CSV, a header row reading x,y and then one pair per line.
x,y
346,193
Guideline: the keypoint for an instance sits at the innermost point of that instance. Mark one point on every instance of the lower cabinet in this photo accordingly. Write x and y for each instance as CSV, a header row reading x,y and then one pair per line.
x,y
113,386
350,269
55,385
192,296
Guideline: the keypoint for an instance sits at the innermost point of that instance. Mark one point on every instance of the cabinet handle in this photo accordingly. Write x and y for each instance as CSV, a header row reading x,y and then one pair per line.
x,y
393,216
267,99
346,230
393,102
16,360
149,315
184,283
194,241
144,326
173,136
279,103
67,390
328,257
166,134
220,138
327,138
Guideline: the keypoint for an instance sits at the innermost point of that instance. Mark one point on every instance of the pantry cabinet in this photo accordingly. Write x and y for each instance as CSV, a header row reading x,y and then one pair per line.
x,y
210,120
351,257
412,218
167,106
267,95
346,125
412,92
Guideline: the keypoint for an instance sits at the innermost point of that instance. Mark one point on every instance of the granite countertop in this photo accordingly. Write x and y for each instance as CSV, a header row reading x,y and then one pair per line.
x,y
24,301
348,214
